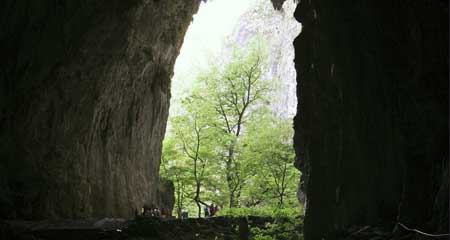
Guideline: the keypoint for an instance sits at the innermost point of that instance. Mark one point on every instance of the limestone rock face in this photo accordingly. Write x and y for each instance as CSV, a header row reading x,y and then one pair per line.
x,y
166,194
372,122
278,28
84,102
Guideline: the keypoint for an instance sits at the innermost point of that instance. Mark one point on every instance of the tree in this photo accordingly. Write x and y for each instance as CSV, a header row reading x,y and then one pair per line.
x,y
227,145
269,147
195,137
233,92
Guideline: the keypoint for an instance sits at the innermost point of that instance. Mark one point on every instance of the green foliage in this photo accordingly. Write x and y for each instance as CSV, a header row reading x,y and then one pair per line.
x,y
227,147
280,229
267,211
269,143
232,92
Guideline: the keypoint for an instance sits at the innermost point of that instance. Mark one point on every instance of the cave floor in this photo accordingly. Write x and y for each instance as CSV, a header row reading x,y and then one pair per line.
x,y
216,228
147,228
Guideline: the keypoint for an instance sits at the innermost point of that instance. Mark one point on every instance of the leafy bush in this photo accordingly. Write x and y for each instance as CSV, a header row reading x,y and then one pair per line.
x,y
280,229
266,211
285,224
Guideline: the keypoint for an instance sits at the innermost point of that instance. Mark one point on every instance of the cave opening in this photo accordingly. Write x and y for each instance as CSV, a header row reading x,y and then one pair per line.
x,y
228,141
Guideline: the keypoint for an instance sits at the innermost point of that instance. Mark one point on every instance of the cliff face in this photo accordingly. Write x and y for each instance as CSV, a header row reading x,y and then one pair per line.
x,y
84,102
372,124
278,28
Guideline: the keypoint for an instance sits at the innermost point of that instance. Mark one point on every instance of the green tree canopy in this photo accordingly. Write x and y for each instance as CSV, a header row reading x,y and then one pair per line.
x,y
227,146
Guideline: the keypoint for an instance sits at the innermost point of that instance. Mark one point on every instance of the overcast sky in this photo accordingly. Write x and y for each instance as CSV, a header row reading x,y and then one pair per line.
x,y
214,21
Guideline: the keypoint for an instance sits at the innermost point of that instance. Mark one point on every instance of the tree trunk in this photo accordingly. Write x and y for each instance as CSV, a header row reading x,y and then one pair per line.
x,y
197,199
179,202
199,209
229,171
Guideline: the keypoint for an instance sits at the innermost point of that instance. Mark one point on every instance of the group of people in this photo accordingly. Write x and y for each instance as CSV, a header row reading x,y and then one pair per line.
x,y
163,213
211,210
166,213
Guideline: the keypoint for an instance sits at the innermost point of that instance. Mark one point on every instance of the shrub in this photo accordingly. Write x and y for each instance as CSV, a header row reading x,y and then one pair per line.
x,y
266,211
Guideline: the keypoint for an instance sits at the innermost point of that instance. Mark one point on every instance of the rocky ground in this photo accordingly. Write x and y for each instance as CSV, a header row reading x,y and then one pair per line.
x,y
216,228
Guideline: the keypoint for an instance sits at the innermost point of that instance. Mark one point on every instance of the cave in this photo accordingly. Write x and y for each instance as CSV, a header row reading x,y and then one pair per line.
x,y
85,92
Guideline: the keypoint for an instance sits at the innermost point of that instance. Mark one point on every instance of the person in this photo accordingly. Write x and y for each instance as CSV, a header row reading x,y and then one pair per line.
x,y
166,213
216,209
148,210
169,214
184,214
207,212
211,210
163,213
136,212
156,212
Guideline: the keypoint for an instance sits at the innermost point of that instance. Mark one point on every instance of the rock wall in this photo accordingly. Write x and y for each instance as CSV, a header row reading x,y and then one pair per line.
x,y
166,194
372,123
278,28
84,101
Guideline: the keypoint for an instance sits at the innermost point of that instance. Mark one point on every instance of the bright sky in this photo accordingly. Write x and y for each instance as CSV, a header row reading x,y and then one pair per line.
x,y
214,21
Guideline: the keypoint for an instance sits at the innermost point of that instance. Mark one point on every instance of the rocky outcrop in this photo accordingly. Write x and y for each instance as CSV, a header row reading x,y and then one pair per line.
x,y
372,123
84,103
166,194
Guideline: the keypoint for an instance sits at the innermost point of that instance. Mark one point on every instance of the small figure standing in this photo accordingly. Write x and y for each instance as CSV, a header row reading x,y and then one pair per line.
x,y
207,212
163,213
184,214
216,209
169,213
136,212
166,213
147,210
156,212
211,210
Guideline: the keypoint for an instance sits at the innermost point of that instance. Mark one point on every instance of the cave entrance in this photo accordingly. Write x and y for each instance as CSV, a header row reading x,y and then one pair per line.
x,y
229,137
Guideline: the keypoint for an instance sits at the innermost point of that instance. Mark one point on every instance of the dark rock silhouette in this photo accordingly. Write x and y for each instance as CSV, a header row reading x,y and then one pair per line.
x,y
278,4
220,228
372,122
84,103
